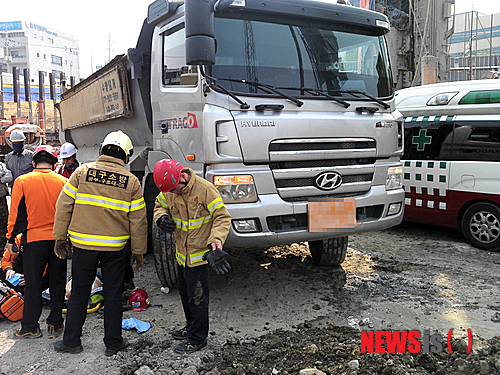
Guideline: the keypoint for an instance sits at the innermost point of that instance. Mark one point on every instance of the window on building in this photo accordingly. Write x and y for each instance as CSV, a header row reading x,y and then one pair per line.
x,y
51,40
45,56
16,35
34,36
14,53
57,60
41,37
57,74
38,54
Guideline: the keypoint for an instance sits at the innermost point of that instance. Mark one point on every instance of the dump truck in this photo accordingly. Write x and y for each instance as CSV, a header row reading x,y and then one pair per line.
x,y
285,105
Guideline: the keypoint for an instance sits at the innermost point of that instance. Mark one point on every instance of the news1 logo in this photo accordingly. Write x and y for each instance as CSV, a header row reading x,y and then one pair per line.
x,y
406,341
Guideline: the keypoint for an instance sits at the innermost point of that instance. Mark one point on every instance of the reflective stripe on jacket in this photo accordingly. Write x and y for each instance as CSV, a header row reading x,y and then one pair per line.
x,y
102,207
200,216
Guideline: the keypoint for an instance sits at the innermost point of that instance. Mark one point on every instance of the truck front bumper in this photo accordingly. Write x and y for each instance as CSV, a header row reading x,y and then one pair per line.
x,y
279,222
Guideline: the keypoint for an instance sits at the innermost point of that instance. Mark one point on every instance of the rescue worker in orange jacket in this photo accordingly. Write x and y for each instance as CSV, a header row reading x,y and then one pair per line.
x,y
102,210
192,208
32,209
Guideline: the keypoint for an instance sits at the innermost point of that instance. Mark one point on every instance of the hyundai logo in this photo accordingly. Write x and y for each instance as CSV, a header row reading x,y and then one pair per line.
x,y
328,180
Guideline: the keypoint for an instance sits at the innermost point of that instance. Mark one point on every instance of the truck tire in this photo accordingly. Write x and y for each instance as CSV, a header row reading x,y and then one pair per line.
x,y
164,254
329,252
481,226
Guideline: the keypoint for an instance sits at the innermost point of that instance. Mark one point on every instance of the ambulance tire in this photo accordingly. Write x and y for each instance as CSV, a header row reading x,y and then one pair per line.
x,y
481,226
164,255
329,252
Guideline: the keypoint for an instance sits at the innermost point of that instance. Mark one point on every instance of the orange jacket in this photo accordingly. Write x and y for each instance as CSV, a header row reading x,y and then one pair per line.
x,y
8,258
33,205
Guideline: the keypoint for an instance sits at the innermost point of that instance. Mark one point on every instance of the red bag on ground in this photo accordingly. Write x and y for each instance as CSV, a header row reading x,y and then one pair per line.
x,y
11,303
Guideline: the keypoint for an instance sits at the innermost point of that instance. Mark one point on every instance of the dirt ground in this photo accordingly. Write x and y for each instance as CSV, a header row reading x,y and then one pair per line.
x,y
277,313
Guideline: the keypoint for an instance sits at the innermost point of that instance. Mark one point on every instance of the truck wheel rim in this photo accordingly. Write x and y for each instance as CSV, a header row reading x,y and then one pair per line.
x,y
485,227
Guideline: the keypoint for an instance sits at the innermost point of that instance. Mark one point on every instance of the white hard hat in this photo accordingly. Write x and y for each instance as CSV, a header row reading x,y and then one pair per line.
x,y
67,150
121,140
17,136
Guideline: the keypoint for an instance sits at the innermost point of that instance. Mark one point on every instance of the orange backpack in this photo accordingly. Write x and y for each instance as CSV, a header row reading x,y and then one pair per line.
x,y
11,303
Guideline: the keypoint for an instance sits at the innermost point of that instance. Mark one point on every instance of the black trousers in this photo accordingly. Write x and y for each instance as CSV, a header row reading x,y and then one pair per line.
x,y
36,256
84,270
194,284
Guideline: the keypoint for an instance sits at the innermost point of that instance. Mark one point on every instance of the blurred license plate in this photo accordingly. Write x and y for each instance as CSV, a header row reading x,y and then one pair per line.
x,y
331,214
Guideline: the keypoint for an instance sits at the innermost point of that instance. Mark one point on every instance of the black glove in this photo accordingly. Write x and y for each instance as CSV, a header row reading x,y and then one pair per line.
x,y
217,260
62,249
166,223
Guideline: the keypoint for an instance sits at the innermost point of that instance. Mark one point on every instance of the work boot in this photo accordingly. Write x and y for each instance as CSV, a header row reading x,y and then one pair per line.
x,y
112,351
61,347
188,348
180,334
25,334
55,331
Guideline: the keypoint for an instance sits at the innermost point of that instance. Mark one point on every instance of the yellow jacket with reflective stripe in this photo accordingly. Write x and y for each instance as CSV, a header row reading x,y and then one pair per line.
x,y
200,215
101,207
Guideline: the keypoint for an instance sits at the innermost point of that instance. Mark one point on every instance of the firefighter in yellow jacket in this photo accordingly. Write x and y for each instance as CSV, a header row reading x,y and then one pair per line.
x,y
192,208
101,209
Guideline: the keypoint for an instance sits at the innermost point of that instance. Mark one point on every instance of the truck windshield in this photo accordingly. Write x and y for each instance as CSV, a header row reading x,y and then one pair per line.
x,y
301,55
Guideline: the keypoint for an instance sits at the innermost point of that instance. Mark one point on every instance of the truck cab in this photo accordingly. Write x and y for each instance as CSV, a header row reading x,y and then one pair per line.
x,y
281,104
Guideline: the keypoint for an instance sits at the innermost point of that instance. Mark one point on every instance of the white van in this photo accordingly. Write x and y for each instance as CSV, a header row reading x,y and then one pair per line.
x,y
451,162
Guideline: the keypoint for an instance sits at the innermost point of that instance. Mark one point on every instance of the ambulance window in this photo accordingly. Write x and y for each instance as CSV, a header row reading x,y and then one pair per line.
x,y
428,141
175,70
485,135
481,144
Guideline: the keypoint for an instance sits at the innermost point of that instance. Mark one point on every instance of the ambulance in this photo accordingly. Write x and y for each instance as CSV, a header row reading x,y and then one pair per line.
x,y
451,161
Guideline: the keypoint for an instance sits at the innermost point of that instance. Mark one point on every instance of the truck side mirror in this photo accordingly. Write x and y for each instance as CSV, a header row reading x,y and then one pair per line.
x,y
200,32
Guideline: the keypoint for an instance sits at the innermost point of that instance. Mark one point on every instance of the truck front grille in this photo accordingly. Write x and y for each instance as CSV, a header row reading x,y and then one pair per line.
x,y
296,164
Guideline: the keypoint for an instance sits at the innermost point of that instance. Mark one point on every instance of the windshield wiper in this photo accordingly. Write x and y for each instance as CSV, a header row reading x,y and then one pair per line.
x,y
383,104
265,87
212,82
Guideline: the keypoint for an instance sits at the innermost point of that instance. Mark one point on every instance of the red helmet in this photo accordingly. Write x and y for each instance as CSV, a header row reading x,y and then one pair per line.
x,y
45,150
138,300
167,174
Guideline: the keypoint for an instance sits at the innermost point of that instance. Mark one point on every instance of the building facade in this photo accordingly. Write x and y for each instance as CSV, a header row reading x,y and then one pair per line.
x,y
38,48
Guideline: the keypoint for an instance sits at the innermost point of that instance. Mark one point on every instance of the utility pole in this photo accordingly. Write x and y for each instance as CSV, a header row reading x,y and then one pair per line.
x,y
470,44
109,48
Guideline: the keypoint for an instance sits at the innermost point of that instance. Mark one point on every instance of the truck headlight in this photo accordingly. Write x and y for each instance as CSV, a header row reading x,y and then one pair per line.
x,y
394,178
236,189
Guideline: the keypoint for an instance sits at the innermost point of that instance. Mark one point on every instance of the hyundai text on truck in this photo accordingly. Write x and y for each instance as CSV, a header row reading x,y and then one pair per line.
x,y
278,103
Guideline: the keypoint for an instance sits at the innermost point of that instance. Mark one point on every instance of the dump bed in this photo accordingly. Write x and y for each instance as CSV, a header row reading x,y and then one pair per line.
x,y
106,101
